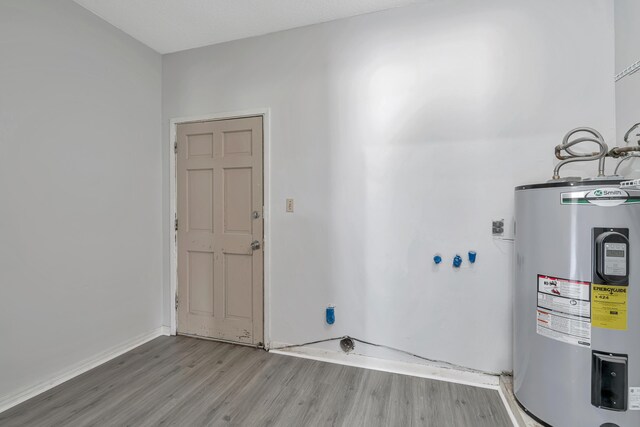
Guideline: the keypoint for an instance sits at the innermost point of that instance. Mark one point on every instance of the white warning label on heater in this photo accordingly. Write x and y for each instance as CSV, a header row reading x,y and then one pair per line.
x,y
634,398
564,288
564,310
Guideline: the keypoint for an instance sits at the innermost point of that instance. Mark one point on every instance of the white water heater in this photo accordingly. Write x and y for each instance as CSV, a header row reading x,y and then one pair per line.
x,y
577,303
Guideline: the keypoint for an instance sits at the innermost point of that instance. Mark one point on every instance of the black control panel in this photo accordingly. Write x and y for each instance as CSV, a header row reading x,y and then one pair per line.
x,y
609,386
611,256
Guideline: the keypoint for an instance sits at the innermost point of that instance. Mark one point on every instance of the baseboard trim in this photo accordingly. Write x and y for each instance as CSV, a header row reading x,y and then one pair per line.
x,y
423,370
521,418
10,400
515,417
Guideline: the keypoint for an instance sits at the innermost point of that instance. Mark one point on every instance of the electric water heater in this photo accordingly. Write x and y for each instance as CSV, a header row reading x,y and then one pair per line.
x,y
577,303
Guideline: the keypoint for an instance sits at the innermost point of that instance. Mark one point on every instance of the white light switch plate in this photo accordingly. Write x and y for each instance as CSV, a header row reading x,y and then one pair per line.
x,y
289,205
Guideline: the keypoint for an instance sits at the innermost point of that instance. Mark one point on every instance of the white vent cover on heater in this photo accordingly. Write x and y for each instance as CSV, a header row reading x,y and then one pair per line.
x,y
634,183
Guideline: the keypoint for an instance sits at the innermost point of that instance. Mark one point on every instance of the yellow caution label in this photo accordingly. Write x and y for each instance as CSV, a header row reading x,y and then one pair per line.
x,y
609,307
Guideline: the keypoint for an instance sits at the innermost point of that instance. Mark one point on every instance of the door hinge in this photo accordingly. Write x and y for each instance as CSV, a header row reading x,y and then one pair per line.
x,y
176,301
176,223
175,147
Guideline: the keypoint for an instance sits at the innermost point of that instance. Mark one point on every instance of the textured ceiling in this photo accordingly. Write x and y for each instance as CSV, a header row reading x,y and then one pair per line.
x,y
173,25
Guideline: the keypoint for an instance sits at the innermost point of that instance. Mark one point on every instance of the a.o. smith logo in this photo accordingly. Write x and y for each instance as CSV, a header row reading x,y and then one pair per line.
x,y
607,197
604,196
607,192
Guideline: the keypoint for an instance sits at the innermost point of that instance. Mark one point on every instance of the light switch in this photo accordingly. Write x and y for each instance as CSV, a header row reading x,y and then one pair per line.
x,y
289,205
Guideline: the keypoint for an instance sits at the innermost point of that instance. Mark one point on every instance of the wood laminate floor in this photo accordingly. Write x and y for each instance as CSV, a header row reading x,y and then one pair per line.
x,y
189,382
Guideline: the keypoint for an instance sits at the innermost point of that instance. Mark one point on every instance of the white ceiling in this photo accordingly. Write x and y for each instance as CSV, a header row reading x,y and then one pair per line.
x,y
172,25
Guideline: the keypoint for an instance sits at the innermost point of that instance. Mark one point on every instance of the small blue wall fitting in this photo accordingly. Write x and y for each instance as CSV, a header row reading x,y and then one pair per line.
x,y
437,259
457,261
331,315
472,256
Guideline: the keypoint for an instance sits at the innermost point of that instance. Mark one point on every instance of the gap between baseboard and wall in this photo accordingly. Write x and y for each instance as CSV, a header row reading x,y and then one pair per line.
x,y
12,399
422,370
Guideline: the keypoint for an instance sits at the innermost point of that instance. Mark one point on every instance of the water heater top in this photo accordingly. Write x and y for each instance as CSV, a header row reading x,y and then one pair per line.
x,y
572,183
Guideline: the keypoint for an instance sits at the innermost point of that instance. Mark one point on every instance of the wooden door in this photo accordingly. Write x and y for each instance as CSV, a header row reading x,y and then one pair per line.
x,y
220,229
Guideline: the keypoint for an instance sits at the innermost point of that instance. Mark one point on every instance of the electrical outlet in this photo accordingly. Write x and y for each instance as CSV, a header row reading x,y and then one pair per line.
x,y
497,227
289,205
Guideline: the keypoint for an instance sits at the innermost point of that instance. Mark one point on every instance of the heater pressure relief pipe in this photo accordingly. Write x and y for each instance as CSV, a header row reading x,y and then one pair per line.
x,y
629,156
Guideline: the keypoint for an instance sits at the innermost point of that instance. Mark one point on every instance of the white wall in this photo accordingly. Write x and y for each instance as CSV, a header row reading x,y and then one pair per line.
x,y
627,17
80,190
401,134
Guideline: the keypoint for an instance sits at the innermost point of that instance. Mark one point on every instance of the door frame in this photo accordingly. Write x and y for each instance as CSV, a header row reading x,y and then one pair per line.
x,y
266,214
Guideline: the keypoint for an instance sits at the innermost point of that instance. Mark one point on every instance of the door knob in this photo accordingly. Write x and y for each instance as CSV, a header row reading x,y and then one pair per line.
x,y
255,245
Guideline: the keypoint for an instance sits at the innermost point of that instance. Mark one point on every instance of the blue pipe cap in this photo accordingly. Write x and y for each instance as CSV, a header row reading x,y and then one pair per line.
x,y
437,259
457,261
331,315
472,256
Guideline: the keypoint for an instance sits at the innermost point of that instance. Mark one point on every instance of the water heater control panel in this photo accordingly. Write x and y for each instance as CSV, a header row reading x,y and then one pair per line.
x,y
615,259
611,255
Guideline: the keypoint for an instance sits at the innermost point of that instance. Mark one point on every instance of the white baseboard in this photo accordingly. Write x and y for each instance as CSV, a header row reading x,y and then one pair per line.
x,y
422,370
516,420
506,391
165,330
12,399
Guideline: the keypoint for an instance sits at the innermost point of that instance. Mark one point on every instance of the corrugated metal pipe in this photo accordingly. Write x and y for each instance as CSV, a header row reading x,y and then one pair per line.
x,y
572,156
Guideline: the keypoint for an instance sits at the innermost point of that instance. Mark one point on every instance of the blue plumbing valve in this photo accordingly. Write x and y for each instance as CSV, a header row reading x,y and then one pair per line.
x,y
457,261
472,256
437,259
331,315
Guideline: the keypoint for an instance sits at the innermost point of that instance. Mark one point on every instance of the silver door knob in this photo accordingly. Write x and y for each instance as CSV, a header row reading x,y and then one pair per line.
x,y
255,245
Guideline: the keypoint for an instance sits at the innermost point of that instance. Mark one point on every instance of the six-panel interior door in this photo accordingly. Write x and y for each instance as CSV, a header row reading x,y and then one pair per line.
x,y
220,229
